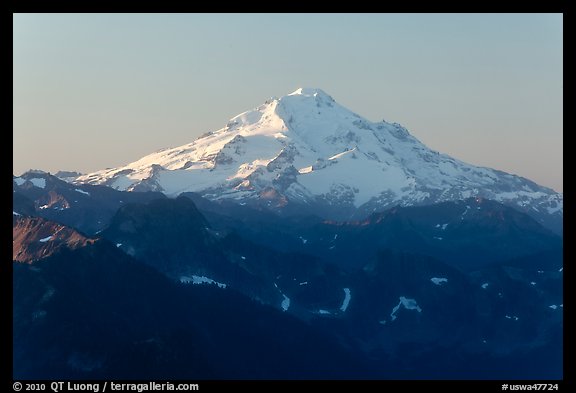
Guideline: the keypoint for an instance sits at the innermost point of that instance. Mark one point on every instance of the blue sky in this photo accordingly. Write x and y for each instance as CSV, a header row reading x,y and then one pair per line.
x,y
100,90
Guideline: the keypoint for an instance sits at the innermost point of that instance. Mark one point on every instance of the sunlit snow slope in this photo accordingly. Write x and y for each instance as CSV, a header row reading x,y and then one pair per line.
x,y
306,149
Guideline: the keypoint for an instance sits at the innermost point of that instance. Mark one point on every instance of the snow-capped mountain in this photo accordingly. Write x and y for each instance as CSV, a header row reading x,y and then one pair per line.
x,y
306,150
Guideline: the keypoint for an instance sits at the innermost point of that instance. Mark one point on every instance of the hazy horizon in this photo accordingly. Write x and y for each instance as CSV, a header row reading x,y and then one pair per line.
x,y
93,91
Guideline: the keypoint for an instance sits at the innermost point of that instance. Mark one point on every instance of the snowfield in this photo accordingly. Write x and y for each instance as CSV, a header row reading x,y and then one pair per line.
x,y
309,149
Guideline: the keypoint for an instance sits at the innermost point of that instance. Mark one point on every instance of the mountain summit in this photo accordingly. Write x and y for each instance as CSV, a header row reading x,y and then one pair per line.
x,y
305,151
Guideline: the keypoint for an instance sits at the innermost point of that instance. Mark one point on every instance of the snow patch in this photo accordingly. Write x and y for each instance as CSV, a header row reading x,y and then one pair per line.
x,y
408,304
45,239
285,303
514,317
438,280
120,245
19,181
553,307
200,280
81,191
38,182
15,214
304,283
532,283
346,302
485,285
324,312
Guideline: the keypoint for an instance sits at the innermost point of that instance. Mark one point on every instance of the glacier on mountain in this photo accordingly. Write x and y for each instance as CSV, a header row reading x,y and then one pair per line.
x,y
306,149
